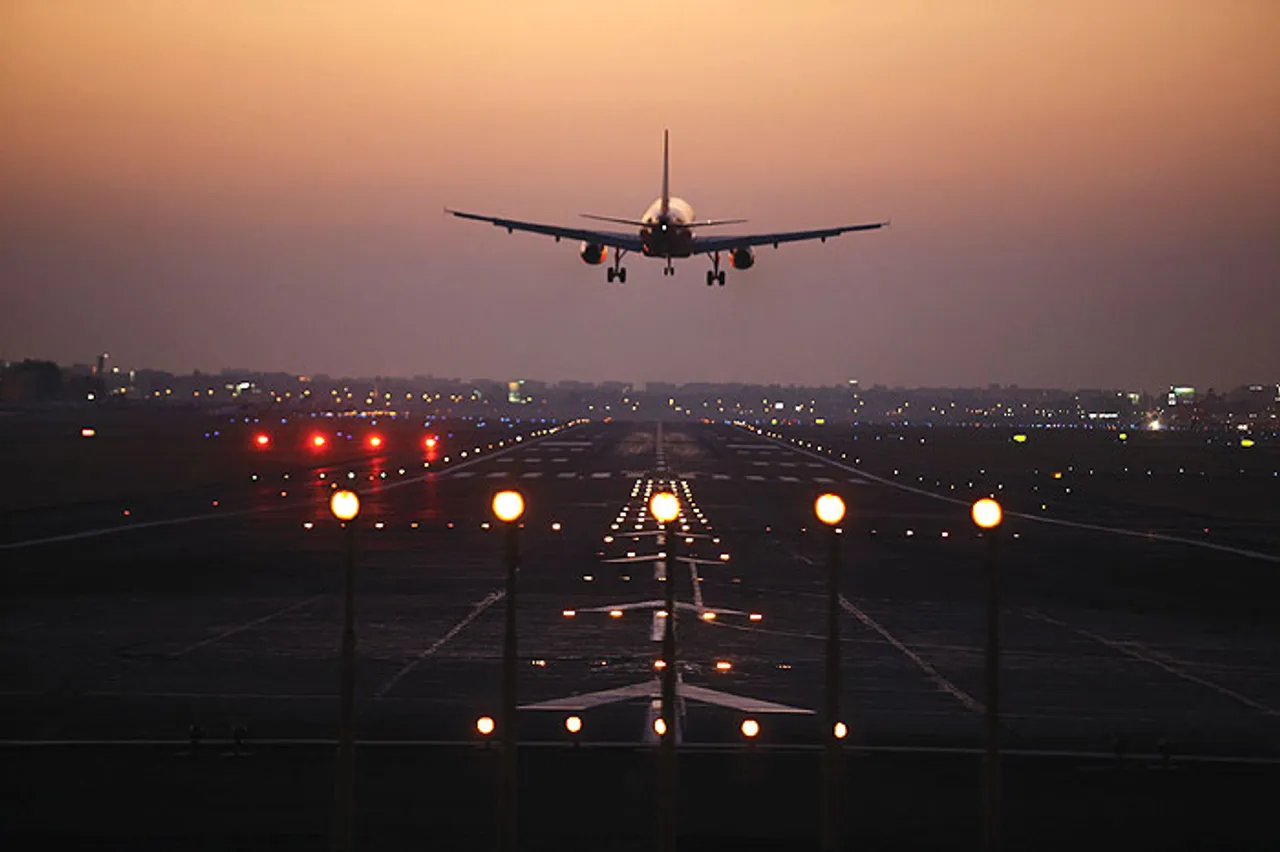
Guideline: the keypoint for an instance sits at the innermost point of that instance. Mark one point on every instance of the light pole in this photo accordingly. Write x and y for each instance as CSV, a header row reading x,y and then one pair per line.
x,y
345,506
665,508
830,510
987,515
508,507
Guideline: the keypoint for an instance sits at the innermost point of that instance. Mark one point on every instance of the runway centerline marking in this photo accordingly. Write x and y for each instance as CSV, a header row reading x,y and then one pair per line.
x,y
248,625
1130,649
488,601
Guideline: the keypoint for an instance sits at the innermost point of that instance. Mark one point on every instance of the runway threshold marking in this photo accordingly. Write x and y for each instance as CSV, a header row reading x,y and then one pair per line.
x,y
1040,519
1130,649
941,682
488,601
209,516
248,625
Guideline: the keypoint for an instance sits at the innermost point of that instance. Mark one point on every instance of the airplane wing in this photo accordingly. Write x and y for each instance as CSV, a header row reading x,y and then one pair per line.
x,y
613,239
706,245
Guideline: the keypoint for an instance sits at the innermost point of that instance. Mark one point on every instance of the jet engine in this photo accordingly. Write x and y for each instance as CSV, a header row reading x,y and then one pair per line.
x,y
593,253
743,258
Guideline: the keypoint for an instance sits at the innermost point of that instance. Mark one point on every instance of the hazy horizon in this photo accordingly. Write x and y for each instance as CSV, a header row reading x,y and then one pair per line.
x,y
1082,194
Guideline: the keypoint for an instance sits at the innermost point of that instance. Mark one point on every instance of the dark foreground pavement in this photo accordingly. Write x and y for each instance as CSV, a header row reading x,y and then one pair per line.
x,y
442,797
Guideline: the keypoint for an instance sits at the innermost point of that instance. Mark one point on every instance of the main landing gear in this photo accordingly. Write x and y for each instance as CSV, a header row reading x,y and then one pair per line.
x,y
616,271
715,275
668,269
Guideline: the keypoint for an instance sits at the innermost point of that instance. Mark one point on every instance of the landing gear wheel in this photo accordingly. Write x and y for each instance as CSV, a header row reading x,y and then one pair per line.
x,y
608,274
622,276
720,277
711,278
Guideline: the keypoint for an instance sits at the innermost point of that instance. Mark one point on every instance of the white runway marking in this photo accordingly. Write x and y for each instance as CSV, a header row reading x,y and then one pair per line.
x,y
1040,519
788,479
532,474
497,474
488,601
825,480
1134,650
566,475
560,460
720,476
941,682
755,477
463,474
760,463
601,474
280,507
248,625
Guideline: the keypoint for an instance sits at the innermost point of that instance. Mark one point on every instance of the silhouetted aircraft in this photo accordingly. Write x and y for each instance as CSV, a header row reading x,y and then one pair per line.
x,y
666,230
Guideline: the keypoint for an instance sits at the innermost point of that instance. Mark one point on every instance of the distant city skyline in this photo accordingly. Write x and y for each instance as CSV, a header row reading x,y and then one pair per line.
x,y
1082,193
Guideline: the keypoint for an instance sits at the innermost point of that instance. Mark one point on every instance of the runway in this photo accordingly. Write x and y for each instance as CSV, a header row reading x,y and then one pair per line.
x,y
230,616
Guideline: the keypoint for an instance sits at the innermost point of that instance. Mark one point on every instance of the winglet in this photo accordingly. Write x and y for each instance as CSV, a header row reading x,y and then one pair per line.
x,y
666,182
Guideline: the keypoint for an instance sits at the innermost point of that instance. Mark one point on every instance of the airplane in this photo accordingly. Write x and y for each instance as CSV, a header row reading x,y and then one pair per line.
x,y
666,230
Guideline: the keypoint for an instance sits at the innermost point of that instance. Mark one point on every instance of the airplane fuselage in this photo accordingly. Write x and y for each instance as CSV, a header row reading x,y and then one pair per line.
x,y
667,233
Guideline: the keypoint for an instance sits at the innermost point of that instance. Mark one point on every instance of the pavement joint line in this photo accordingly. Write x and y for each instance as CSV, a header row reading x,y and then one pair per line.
x,y
1130,649
941,682
955,751
248,625
208,516
488,601
1041,519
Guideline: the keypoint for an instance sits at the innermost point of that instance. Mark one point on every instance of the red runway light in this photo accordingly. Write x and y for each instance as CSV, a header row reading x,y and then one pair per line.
x,y
375,441
430,442
318,441
262,440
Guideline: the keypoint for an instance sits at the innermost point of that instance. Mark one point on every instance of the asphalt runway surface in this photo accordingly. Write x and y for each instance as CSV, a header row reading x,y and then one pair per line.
x,y
1115,634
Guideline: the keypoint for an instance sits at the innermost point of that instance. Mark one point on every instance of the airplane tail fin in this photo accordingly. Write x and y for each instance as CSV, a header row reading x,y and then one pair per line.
x,y
666,182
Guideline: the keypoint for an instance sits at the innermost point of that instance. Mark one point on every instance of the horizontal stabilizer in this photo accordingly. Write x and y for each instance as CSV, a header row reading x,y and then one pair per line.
x,y
614,219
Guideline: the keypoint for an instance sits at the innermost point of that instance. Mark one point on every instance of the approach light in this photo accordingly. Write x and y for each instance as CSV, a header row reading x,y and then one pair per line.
x,y
750,728
573,724
723,665
345,505
830,509
88,432
660,726
841,730
987,513
1247,442
485,725
1019,439
664,506
508,506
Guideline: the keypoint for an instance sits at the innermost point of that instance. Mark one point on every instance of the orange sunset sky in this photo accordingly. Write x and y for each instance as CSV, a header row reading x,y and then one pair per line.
x,y
1082,193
